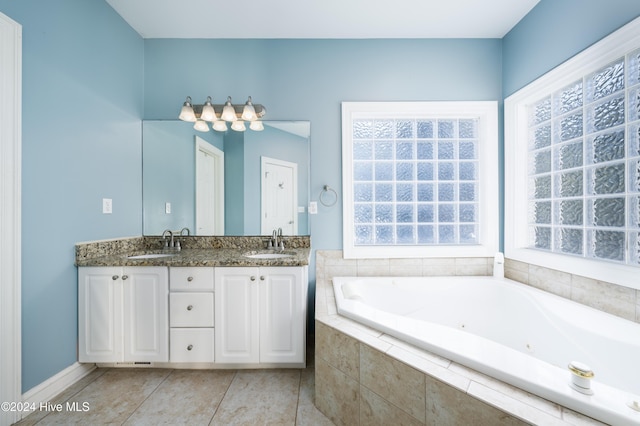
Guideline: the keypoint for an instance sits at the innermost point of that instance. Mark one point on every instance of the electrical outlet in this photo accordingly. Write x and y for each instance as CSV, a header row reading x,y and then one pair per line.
x,y
313,207
107,206
167,208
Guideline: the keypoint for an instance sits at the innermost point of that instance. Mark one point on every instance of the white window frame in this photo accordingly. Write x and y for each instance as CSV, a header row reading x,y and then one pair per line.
x,y
614,46
487,114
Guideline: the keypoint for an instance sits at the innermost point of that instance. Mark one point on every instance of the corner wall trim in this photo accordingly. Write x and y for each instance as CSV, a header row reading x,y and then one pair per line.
x,y
47,390
10,213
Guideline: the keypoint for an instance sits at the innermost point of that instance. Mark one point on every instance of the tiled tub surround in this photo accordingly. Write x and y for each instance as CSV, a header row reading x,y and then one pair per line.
x,y
366,377
196,251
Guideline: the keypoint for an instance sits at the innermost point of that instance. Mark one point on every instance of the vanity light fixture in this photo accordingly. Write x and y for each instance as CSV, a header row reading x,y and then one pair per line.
x,y
219,115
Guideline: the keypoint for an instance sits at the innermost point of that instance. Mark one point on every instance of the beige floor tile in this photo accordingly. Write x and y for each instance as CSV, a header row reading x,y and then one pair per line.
x,y
185,397
145,396
62,397
111,398
260,397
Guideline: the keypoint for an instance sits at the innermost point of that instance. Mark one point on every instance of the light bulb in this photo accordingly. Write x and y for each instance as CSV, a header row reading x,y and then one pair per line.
x,y
256,125
238,126
201,126
249,112
220,126
208,113
186,113
228,112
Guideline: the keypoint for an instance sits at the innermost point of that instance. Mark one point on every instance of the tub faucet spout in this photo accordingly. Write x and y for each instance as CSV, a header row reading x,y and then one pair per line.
x,y
498,266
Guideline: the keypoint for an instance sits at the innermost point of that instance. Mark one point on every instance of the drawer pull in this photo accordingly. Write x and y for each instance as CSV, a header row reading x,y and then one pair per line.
x,y
189,347
115,277
190,279
261,277
124,277
253,278
190,307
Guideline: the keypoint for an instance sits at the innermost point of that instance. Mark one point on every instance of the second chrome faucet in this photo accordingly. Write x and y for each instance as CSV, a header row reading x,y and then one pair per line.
x,y
277,240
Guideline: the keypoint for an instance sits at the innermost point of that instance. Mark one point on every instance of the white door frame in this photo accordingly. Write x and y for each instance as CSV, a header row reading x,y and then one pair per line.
x,y
10,215
218,155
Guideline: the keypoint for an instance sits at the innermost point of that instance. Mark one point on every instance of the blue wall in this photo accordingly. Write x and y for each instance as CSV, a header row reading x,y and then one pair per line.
x,y
308,79
168,174
79,55
81,142
556,30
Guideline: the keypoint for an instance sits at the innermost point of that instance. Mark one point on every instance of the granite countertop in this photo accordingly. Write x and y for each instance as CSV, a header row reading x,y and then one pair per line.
x,y
201,257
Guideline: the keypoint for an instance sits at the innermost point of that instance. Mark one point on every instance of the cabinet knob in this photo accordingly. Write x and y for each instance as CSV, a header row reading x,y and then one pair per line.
x,y
261,277
124,277
190,307
190,279
189,347
253,278
115,277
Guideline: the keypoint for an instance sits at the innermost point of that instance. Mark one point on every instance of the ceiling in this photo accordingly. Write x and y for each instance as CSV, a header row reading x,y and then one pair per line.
x,y
322,18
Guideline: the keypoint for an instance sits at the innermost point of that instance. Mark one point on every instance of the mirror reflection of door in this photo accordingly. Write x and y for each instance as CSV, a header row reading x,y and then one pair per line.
x,y
209,189
279,196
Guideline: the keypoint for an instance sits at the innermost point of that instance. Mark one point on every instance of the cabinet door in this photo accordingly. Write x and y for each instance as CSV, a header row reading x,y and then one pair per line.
x,y
282,315
99,314
236,315
146,319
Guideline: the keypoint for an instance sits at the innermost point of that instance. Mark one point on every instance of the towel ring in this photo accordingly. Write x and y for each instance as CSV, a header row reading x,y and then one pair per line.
x,y
328,189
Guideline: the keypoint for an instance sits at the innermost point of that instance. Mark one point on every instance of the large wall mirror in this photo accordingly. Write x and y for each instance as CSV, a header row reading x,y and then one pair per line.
x,y
232,183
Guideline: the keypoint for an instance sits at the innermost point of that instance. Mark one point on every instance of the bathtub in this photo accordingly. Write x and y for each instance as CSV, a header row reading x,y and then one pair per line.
x,y
515,333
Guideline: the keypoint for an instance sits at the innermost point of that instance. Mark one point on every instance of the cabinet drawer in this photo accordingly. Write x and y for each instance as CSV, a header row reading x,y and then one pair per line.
x,y
191,279
191,309
191,345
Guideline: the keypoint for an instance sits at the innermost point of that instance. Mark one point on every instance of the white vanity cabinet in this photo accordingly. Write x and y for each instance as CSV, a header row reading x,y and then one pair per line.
x,y
122,314
260,315
191,314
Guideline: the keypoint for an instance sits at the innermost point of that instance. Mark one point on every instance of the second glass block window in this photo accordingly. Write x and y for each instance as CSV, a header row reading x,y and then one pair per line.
x,y
584,166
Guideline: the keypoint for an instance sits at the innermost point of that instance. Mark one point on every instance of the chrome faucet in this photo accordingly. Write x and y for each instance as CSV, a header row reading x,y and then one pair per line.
x,y
273,242
167,244
185,229
279,240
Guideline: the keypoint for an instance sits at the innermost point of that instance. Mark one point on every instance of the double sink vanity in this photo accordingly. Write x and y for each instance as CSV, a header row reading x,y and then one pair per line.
x,y
219,302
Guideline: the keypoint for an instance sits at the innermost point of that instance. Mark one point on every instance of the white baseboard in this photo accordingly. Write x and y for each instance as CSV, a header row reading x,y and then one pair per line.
x,y
47,390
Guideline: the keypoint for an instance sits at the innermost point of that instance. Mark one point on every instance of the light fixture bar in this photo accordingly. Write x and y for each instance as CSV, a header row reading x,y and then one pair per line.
x,y
247,112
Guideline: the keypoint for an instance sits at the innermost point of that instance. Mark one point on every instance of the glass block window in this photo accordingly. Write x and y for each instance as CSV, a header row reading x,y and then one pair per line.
x,y
572,164
584,165
414,179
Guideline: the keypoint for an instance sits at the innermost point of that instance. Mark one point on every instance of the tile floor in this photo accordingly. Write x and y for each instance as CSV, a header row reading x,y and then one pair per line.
x,y
149,396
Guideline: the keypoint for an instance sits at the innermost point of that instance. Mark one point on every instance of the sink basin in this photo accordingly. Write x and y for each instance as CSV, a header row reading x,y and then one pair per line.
x,y
151,256
268,255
